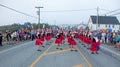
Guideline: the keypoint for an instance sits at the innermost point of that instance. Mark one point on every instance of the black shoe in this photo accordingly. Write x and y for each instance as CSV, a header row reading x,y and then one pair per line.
x,y
84,46
87,48
92,52
96,52
43,46
60,48
57,48
39,50
75,50
71,50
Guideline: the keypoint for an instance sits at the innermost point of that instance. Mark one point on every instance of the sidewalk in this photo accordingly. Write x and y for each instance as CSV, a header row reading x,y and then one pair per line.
x,y
6,45
110,50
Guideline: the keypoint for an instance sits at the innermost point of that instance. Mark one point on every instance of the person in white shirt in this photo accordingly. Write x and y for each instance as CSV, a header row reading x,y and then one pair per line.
x,y
103,37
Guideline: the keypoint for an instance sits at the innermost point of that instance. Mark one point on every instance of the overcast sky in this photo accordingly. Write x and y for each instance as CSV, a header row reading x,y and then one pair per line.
x,y
85,7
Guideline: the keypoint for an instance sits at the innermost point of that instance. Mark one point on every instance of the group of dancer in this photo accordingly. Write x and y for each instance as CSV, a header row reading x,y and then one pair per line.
x,y
86,38
41,37
61,38
90,41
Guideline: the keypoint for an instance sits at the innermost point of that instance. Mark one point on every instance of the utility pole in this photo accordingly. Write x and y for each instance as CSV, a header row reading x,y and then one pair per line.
x,y
97,18
38,12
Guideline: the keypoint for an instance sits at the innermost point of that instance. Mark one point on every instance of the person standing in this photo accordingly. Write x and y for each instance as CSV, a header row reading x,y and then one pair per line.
x,y
73,43
93,46
32,34
1,39
38,41
103,37
58,41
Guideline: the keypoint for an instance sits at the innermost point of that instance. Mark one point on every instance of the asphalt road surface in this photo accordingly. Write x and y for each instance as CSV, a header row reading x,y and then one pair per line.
x,y
26,55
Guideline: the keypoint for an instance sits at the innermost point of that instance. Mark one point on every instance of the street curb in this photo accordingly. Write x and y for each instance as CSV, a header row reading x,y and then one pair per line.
x,y
110,52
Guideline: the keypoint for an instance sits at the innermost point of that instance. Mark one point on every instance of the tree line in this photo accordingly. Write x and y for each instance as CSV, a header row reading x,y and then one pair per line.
x,y
28,25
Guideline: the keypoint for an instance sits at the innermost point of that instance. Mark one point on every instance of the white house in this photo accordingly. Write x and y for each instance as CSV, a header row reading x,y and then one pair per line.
x,y
104,22
81,26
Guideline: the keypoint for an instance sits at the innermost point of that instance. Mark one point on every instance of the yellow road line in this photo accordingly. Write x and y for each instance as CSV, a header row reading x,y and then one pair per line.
x,y
33,64
80,65
90,65
58,51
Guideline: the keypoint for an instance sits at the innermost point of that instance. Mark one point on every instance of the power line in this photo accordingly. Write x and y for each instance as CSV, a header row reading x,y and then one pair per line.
x,y
111,11
68,10
104,9
116,14
17,11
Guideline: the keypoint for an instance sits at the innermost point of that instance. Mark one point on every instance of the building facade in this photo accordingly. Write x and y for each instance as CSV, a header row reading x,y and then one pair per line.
x,y
104,22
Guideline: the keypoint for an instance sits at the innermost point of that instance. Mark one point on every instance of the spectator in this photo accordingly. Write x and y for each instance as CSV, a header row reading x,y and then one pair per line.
x,y
1,39
32,34
8,36
14,36
103,37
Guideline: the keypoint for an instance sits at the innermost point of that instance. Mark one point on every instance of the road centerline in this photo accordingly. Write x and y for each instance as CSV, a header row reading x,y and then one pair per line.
x,y
90,65
33,64
58,51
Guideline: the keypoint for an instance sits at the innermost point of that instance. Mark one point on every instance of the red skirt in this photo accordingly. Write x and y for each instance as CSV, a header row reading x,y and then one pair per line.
x,y
38,42
48,38
93,47
62,37
73,43
42,39
69,40
88,41
58,41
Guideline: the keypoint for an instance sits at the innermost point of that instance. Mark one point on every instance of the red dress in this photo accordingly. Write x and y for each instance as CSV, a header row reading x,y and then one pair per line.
x,y
38,42
42,39
80,37
58,41
62,37
98,45
48,38
69,39
93,47
73,42
88,41
85,40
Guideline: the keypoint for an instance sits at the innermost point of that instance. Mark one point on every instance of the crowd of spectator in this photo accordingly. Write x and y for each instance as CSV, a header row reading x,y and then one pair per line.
x,y
12,37
108,38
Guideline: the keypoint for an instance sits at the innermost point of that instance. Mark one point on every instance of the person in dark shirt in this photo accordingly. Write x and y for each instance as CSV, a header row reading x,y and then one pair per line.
x,y
1,39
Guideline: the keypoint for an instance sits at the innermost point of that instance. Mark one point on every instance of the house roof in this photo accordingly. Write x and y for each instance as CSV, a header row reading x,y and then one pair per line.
x,y
105,20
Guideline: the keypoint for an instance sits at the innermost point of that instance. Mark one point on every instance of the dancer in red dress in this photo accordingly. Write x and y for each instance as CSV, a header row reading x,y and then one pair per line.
x,y
58,41
38,42
98,44
69,37
42,39
94,46
62,36
72,43
48,38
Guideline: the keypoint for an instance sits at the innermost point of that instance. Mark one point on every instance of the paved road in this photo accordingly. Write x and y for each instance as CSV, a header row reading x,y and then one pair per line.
x,y
26,55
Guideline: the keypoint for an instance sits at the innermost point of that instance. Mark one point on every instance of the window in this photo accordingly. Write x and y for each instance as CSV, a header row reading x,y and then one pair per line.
x,y
98,25
113,26
109,25
106,25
